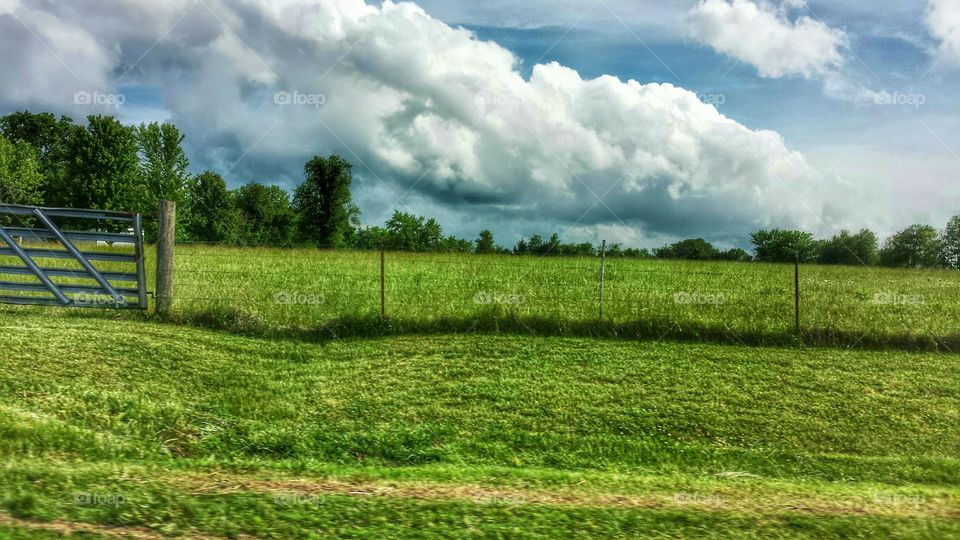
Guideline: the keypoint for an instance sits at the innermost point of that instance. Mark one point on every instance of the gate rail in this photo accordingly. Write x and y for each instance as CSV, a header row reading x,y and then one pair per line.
x,y
104,293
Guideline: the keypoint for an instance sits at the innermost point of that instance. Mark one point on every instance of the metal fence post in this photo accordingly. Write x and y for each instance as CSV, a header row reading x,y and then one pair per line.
x,y
166,231
141,262
383,296
603,253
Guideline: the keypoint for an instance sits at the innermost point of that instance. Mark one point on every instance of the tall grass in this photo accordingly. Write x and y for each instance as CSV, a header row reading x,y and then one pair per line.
x,y
737,302
335,293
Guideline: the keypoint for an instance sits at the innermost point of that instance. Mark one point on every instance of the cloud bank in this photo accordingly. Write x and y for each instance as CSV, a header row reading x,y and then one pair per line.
x,y
428,111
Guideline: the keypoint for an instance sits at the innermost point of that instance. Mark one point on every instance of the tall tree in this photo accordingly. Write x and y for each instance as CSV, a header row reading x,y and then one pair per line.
x,y
21,181
266,216
431,237
327,214
404,231
950,239
485,243
915,246
212,215
50,137
163,163
103,171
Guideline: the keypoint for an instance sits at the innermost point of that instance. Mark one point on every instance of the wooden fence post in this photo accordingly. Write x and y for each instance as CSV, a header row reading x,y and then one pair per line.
x,y
603,253
383,295
166,231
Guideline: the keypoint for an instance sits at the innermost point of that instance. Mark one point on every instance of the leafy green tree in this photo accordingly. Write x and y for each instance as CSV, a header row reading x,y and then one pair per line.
x,y
736,255
522,247
369,237
163,164
913,247
615,250
21,181
328,216
404,231
50,137
452,244
635,253
485,243
950,240
783,246
696,249
431,238
851,249
266,217
211,213
104,169
536,245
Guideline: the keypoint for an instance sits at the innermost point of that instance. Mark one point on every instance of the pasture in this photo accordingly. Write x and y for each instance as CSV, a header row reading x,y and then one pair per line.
x,y
745,303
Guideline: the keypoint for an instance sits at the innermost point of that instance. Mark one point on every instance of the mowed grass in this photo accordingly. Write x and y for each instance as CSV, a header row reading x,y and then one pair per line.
x,y
717,301
206,433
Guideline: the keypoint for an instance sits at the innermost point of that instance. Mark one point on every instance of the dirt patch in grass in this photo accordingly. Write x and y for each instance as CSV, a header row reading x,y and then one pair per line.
x,y
69,528
299,491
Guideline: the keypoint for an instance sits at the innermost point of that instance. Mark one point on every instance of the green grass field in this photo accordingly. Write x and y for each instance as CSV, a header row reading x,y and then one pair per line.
x,y
719,301
113,424
302,291
274,402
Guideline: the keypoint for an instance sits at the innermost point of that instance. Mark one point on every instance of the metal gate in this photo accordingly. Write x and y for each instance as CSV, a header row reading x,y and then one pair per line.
x,y
74,252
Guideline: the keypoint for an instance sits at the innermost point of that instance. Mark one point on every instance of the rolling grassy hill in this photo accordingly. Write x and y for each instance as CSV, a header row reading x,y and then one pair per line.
x,y
116,425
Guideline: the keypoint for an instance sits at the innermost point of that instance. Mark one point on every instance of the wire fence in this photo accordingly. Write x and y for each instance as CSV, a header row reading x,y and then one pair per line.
x,y
312,287
303,287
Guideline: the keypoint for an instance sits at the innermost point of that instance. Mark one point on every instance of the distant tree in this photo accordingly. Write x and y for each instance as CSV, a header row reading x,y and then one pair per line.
x,y
536,245
163,164
913,247
950,240
327,213
782,246
736,255
369,237
50,137
453,244
583,249
615,250
21,181
403,231
266,217
104,168
212,214
635,253
696,249
522,247
430,238
485,243
851,249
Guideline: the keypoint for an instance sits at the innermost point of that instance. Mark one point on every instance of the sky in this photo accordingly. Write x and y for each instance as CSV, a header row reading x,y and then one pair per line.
x,y
632,121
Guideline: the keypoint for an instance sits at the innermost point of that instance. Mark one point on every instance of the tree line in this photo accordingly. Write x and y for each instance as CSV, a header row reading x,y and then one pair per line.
x,y
51,161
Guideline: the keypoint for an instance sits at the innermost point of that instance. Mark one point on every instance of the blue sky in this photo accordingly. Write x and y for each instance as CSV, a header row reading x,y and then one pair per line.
x,y
861,161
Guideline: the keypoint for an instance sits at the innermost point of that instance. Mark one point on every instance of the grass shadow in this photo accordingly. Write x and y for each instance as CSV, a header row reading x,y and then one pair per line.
x,y
494,322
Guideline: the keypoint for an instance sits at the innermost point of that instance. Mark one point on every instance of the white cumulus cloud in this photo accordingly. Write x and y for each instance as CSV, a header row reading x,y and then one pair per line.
x,y
427,109
943,18
761,34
